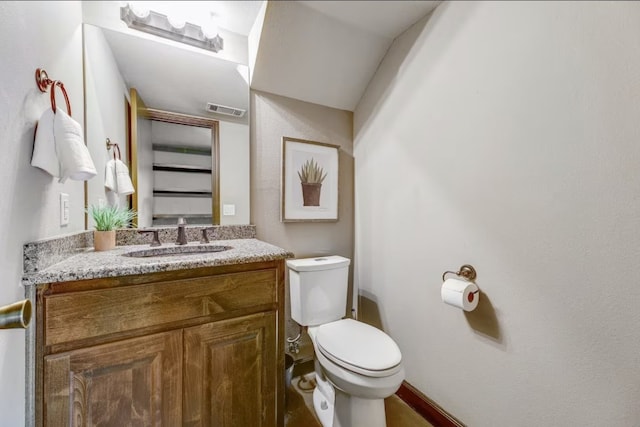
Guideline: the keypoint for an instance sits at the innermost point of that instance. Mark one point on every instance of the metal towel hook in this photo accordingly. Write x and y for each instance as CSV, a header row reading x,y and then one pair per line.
x,y
44,82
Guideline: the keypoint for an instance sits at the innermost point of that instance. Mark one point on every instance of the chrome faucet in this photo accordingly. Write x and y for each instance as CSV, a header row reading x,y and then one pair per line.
x,y
182,236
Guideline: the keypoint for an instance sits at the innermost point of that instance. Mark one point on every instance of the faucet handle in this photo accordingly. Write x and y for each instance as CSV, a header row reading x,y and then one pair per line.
x,y
156,239
205,238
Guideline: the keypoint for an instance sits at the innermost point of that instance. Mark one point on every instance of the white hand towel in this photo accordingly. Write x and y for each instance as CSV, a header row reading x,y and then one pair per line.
x,y
44,147
123,182
110,176
74,157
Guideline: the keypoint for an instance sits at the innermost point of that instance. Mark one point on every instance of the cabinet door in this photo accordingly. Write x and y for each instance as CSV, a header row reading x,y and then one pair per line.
x,y
135,382
230,373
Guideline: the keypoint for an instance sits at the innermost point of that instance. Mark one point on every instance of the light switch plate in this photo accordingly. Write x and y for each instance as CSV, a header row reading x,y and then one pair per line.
x,y
228,210
64,209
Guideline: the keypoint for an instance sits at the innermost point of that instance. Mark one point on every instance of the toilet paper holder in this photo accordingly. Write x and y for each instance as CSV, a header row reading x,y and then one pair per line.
x,y
467,272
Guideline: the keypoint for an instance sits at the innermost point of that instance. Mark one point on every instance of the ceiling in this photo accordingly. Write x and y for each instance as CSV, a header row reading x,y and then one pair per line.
x,y
170,78
385,18
326,52
323,52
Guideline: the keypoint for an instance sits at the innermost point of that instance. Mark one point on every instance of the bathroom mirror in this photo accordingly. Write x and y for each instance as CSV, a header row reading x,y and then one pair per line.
x,y
167,78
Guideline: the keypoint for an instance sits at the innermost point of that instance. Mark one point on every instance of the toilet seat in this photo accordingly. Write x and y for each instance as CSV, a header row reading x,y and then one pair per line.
x,y
357,385
359,347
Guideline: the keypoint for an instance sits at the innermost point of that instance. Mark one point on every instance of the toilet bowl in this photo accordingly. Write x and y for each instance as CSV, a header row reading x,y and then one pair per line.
x,y
357,365
362,366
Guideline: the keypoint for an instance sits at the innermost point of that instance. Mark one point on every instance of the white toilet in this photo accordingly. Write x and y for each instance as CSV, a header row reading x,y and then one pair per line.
x,y
357,365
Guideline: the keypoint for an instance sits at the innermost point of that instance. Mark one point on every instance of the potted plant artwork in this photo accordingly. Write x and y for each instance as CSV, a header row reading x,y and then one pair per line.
x,y
107,219
309,181
311,176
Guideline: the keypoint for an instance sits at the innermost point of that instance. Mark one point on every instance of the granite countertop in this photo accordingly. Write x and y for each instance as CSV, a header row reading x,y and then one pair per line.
x,y
88,264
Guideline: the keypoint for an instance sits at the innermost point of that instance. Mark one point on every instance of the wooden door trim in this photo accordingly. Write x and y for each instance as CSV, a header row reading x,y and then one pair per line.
x,y
136,107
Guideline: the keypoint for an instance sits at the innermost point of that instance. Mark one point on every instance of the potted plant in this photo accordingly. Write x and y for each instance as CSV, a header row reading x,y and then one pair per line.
x,y
311,176
107,219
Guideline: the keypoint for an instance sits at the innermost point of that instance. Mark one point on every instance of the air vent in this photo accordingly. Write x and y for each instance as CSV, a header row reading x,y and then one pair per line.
x,y
223,109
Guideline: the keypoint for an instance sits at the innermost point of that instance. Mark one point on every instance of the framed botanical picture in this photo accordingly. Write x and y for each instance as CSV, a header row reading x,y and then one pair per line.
x,y
309,181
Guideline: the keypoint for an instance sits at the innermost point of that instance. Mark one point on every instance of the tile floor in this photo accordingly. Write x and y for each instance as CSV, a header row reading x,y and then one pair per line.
x,y
300,413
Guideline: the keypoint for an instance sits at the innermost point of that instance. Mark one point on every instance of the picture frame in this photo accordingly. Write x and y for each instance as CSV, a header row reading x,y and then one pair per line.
x,y
309,184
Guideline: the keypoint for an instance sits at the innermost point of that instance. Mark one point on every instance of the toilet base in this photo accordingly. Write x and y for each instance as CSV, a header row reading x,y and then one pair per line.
x,y
356,411
323,408
335,408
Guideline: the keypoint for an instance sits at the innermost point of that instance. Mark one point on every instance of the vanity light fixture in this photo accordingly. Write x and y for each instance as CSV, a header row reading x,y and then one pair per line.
x,y
174,29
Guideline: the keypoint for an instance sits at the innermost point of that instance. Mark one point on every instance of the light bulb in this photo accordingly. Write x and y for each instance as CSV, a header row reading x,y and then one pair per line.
x,y
139,9
177,22
211,29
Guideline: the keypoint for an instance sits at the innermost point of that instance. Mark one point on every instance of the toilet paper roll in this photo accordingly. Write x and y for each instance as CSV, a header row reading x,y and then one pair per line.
x,y
460,293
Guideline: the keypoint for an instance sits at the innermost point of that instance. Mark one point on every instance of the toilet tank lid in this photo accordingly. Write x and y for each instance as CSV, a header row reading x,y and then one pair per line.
x,y
318,263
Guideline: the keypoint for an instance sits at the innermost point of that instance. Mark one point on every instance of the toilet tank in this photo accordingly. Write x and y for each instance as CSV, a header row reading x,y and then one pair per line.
x,y
318,289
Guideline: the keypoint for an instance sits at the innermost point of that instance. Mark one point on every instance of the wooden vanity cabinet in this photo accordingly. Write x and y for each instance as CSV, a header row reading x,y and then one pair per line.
x,y
228,372
193,347
131,382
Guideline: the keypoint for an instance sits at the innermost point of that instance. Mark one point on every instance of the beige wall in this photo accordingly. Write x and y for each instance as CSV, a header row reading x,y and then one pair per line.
x,y
506,135
273,117
234,173
32,35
